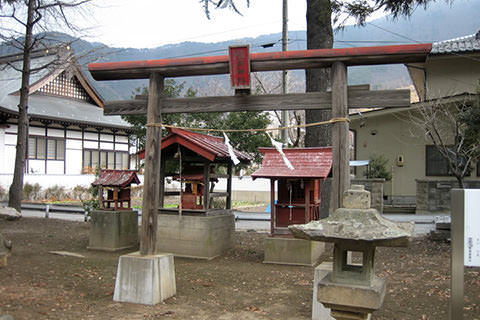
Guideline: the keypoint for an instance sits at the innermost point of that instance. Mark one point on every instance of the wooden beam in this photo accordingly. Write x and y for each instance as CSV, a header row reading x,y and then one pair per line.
x,y
273,208
206,185
340,135
151,186
357,99
229,186
269,61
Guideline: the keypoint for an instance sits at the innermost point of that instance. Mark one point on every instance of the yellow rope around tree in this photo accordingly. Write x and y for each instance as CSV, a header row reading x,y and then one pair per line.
x,y
333,120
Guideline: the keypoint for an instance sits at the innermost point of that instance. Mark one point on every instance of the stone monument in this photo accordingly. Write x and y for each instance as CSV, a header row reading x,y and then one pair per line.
x,y
352,291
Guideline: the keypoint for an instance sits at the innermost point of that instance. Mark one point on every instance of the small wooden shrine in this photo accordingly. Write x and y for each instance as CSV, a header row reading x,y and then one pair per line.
x,y
195,160
114,188
299,189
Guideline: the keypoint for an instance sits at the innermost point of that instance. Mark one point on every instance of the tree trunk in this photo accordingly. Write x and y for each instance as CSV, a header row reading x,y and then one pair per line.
x,y
16,188
319,36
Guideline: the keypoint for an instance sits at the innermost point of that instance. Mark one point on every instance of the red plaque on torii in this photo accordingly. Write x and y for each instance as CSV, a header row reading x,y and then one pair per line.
x,y
239,58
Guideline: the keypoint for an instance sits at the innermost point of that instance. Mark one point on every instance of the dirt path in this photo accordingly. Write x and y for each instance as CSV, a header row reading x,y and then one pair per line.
x,y
39,285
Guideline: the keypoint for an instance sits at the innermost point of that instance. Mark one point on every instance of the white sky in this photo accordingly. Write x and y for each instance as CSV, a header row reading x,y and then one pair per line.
x,y
152,23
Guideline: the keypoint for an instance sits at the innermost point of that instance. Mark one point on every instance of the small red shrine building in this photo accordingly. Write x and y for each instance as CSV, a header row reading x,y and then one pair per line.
x,y
299,189
200,157
117,184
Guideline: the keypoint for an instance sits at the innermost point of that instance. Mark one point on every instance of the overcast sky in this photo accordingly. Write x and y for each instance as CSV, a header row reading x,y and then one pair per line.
x,y
152,23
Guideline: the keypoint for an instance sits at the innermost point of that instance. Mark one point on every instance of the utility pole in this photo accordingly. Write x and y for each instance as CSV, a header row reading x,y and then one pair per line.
x,y
284,118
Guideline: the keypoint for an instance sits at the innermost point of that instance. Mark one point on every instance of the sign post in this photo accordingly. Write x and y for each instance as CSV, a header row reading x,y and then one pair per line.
x,y
465,230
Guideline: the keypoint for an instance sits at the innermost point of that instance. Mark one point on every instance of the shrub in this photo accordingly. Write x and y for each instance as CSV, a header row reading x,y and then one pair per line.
x,y
55,193
80,192
31,191
377,169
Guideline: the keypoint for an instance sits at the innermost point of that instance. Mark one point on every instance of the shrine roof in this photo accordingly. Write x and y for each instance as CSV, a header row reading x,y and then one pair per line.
x,y
210,147
116,178
307,163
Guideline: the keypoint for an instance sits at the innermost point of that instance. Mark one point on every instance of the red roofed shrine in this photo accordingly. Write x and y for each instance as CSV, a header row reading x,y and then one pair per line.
x,y
298,189
192,158
117,184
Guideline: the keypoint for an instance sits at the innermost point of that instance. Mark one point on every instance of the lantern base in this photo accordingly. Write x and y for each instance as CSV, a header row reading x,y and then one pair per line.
x,y
350,301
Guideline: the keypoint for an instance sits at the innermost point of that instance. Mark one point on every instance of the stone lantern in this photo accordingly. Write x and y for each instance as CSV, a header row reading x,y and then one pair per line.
x,y
352,291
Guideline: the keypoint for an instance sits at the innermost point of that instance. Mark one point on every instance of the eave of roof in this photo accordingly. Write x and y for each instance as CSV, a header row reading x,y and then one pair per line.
x,y
63,110
466,44
116,178
307,163
209,147
386,111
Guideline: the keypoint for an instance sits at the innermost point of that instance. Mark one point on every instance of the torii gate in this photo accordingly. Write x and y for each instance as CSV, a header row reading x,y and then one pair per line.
x,y
339,99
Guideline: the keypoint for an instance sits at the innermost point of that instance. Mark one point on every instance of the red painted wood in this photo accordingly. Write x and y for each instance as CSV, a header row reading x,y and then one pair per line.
x,y
239,66
192,66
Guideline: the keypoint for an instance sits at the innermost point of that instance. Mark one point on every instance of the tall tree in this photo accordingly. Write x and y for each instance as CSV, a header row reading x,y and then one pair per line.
x,y
244,141
29,15
454,130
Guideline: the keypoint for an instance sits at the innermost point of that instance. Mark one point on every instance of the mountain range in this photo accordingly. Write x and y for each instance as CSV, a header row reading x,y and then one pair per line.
x,y
440,21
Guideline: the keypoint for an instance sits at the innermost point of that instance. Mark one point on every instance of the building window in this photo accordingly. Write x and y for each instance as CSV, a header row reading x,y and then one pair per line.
x,y
478,169
436,164
104,160
41,148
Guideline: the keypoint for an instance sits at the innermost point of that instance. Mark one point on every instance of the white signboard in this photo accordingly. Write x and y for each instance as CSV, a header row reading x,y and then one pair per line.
x,y
472,228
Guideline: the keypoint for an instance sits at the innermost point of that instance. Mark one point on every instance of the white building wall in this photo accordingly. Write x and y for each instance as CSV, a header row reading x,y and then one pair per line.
x,y
73,153
10,144
58,133
2,150
55,167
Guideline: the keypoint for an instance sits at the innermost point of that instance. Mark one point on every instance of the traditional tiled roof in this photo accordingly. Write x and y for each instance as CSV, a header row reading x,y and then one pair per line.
x,y
116,178
43,106
307,163
210,147
465,44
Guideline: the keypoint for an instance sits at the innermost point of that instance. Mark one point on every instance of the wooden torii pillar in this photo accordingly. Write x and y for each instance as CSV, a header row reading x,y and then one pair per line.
x,y
340,99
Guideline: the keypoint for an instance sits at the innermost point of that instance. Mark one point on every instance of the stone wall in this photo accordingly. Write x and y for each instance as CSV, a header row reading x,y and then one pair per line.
x,y
375,186
113,230
202,237
434,195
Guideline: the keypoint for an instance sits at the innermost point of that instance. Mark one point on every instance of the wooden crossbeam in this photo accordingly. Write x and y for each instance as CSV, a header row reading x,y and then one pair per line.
x,y
265,61
294,101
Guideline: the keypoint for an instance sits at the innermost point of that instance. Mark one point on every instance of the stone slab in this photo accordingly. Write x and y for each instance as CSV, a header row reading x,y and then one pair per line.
x,y
201,237
291,251
319,312
113,230
351,298
145,280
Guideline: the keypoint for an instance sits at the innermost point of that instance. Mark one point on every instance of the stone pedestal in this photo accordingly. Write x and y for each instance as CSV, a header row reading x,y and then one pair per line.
x,y
349,301
113,230
201,237
291,251
145,279
319,312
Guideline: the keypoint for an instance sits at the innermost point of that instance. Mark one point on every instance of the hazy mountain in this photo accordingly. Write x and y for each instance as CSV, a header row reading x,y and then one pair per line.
x,y
441,21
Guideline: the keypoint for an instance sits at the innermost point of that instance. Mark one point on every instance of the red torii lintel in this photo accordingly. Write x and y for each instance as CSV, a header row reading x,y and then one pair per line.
x,y
270,61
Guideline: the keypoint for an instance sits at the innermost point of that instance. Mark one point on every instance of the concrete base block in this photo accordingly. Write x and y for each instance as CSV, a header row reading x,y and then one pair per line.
x,y
113,230
145,279
319,312
200,237
291,251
